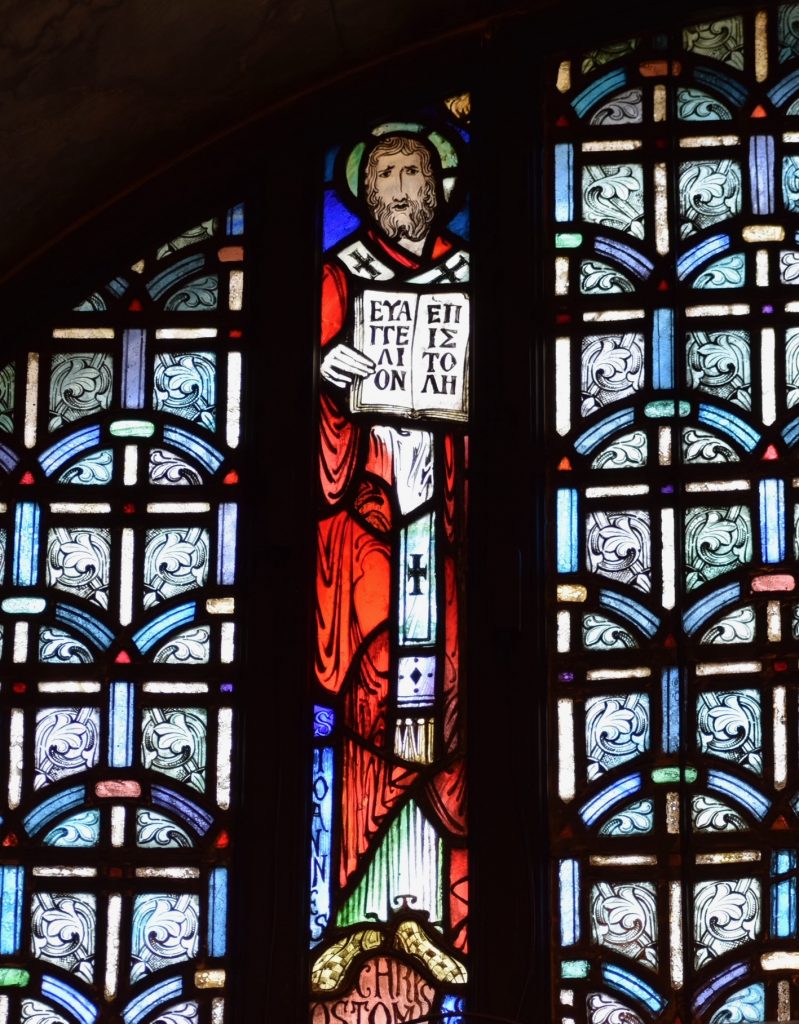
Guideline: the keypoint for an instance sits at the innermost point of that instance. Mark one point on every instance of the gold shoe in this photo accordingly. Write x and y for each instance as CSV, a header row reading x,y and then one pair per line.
x,y
333,963
411,938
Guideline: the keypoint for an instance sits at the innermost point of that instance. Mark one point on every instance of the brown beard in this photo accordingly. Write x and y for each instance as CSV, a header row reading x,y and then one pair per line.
x,y
412,222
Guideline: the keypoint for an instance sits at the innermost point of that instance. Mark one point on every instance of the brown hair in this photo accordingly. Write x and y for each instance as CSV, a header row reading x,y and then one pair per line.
x,y
391,145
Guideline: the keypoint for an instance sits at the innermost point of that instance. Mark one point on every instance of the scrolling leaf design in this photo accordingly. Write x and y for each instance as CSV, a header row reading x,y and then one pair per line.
x,y
747,1006
191,647
604,1009
174,742
697,105
94,469
718,362
790,183
710,192
184,384
616,730
79,830
717,541
792,366
57,647
165,931
3,549
702,446
728,726
624,918
636,819
789,267
63,931
7,380
67,742
175,561
625,107
726,915
595,59
168,468
721,40
709,814
601,634
79,562
788,30
618,545
612,369
179,1013
729,272
34,1012
199,294
738,627
629,451
199,233
599,278
158,831
613,196
81,384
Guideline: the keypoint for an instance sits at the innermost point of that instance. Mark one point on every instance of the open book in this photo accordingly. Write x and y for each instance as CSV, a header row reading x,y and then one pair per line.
x,y
419,342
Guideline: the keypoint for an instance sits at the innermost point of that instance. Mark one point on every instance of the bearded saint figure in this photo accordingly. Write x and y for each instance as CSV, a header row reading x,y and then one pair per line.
x,y
373,477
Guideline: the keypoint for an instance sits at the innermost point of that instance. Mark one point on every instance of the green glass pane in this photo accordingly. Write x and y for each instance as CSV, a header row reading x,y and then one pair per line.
x,y
195,235
598,58
721,40
788,31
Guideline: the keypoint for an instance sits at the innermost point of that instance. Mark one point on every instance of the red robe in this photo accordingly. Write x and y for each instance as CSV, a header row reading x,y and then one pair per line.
x,y
354,607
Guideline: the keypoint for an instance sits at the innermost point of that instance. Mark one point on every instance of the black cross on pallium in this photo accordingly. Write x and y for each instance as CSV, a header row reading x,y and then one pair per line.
x,y
363,261
416,572
447,273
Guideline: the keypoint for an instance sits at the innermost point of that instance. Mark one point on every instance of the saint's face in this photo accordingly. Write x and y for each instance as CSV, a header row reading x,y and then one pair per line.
x,y
403,201
399,179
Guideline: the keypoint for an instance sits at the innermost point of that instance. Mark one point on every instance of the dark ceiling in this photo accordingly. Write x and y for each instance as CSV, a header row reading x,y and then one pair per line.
x,y
100,95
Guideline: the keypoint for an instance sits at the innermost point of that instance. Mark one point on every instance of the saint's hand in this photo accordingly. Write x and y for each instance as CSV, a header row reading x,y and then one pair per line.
x,y
342,365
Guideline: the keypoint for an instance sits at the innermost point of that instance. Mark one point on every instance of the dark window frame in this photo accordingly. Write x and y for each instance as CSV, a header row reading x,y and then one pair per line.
x,y
273,164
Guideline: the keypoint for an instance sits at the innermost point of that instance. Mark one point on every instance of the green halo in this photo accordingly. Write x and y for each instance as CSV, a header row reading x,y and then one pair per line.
x,y
447,153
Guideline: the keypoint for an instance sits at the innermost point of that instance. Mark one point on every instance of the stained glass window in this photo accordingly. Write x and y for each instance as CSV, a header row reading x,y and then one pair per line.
x,y
389,876
119,646
673,497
